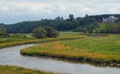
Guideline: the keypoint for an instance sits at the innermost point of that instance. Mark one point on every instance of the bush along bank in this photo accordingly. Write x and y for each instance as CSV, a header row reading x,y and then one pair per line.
x,y
19,39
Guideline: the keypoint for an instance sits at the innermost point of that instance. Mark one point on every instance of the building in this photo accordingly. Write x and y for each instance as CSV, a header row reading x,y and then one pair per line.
x,y
110,19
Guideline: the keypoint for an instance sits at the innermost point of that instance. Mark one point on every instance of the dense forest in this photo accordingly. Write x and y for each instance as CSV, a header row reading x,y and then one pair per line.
x,y
107,23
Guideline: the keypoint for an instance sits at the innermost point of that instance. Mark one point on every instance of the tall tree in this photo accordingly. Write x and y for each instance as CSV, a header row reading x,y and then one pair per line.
x,y
71,17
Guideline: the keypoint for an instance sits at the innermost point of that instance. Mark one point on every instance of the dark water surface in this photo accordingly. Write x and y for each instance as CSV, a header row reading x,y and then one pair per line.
x,y
11,56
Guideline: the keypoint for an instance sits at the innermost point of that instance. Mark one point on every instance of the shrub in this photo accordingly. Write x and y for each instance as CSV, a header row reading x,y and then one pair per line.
x,y
39,32
3,33
45,32
51,32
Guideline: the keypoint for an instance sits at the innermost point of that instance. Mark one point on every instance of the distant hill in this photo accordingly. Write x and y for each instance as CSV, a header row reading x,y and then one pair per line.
x,y
87,24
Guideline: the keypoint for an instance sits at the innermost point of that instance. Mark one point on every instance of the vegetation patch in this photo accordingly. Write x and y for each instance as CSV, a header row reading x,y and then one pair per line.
x,y
19,70
97,49
18,39
45,32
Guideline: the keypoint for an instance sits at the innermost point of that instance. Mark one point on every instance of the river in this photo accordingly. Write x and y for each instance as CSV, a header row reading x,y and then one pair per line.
x,y
11,56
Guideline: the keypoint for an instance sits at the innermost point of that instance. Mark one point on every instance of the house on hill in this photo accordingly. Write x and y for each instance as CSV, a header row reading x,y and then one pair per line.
x,y
110,19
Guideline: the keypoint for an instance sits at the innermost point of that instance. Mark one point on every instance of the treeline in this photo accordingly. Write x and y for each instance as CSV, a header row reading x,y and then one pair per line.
x,y
113,28
87,24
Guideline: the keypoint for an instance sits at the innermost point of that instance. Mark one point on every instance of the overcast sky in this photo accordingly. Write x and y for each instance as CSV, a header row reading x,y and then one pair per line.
x,y
12,11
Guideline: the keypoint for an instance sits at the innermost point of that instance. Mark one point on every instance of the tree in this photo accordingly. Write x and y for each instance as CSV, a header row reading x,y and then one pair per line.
x,y
88,23
51,32
71,17
3,32
39,32
45,32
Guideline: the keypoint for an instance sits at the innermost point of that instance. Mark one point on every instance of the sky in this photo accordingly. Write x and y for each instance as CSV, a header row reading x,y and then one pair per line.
x,y
13,11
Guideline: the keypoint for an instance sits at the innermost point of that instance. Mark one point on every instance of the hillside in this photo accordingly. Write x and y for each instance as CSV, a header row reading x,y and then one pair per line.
x,y
87,24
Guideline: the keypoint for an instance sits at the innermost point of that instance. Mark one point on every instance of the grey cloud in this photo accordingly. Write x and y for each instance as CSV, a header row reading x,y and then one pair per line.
x,y
19,10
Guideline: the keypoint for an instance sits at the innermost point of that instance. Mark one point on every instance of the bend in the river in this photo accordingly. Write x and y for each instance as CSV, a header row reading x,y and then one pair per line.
x,y
11,56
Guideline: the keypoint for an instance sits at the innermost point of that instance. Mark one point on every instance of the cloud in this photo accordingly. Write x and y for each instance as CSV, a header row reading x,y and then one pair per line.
x,y
12,11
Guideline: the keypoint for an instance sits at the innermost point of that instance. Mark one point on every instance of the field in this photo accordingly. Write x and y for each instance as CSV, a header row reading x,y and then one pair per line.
x,y
19,70
92,48
18,39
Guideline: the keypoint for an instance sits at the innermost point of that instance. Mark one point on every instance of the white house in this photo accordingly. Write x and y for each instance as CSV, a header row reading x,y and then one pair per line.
x,y
110,19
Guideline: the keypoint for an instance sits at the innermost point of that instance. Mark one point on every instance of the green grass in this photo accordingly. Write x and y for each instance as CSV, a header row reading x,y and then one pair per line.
x,y
19,70
94,48
102,45
17,39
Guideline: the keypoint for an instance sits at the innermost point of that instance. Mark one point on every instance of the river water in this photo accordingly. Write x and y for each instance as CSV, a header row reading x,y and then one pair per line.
x,y
11,56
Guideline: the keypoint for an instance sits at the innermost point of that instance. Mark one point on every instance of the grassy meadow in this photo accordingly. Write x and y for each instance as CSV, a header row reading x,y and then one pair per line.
x,y
19,70
18,39
93,48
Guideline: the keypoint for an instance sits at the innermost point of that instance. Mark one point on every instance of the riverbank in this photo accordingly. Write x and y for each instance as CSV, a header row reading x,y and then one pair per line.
x,y
96,49
19,70
22,39
11,56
